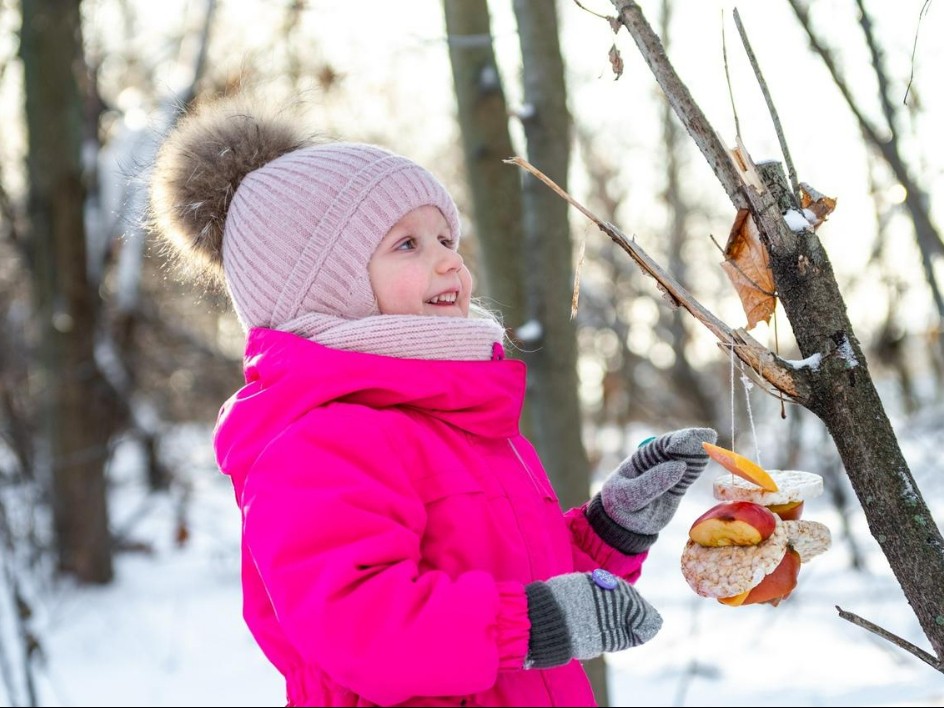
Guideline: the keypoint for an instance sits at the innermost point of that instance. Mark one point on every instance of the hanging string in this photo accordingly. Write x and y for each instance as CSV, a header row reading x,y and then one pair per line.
x,y
748,385
731,356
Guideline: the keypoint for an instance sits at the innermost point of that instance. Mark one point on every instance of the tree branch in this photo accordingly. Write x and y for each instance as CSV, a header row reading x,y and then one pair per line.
x,y
858,621
842,393
926,233
678,95
771,368
766,213
774,116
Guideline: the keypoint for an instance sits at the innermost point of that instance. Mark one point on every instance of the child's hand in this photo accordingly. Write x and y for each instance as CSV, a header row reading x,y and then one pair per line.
x,y
641,496
582,615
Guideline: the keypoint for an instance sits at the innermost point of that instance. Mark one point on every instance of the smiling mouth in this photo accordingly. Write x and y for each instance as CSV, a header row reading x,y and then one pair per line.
x,y
444,299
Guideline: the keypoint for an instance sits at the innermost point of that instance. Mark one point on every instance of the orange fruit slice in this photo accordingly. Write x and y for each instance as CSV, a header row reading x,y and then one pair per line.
x,y
735,600
741,466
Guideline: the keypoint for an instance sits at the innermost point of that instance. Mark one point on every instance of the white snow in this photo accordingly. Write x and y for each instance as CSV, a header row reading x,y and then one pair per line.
x,y
168,631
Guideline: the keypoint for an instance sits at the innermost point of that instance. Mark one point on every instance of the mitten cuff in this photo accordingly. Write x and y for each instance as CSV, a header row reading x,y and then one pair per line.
x,y
622,539
549,644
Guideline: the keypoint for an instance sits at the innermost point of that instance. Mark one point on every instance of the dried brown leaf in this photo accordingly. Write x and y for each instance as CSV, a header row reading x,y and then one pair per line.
x,y
616,61
816,203
747,265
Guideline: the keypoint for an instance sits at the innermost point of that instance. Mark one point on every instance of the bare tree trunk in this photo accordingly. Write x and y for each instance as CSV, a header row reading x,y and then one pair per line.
x,y
548,271
553,410
839,390
486,141
74,396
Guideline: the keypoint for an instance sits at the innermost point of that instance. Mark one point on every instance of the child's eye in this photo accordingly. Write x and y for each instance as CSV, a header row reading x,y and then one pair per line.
x,y
407,244
448,242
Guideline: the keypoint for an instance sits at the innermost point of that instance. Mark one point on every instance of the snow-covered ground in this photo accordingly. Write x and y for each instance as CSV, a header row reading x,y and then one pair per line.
x,y
168,631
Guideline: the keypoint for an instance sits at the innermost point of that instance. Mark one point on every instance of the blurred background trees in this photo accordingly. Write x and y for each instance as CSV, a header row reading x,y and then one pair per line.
x,y
105,344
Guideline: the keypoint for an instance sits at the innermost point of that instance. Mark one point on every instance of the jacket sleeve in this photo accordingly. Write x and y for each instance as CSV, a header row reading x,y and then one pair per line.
x,y
334,527
591,551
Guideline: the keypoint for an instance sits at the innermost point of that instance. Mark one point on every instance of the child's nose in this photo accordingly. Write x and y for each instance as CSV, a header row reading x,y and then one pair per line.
x,y
449,260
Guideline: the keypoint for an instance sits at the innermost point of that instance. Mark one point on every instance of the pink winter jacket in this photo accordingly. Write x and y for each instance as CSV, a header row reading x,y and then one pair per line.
x,y
392,515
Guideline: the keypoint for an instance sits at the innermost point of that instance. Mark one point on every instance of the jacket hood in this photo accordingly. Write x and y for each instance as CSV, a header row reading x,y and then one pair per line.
x,y
287,376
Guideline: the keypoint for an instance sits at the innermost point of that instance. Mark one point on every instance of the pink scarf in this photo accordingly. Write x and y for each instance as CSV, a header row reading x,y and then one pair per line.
x,y
404,336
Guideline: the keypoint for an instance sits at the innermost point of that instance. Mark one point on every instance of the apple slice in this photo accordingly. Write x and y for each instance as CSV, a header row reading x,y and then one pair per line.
x,y
736,600
726,571
775,587
734,523
778,584
741,466
791,511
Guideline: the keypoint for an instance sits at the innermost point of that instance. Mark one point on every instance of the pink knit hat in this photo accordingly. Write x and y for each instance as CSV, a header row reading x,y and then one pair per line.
x,y
301,229
292,224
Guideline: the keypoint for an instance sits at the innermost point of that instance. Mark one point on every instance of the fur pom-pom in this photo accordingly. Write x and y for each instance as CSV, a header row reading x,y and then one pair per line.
x,y
202,162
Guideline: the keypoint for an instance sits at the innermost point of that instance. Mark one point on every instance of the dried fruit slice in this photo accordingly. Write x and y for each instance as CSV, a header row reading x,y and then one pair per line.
x,y
808,538
779,583
791,511
741,466
738,599
792,486
737,523
730,570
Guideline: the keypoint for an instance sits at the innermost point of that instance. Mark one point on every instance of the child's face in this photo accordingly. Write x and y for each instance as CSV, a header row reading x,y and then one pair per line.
x,y
416,269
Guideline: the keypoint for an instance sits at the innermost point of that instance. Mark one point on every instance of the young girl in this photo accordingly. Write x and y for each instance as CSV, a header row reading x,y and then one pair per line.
x,y
401,543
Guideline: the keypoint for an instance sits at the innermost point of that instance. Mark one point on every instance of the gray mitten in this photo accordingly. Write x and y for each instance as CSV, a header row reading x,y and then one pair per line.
x,y
582,615
641,496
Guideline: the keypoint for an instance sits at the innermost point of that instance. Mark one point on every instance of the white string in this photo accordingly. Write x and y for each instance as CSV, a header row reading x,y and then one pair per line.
x,y
748,385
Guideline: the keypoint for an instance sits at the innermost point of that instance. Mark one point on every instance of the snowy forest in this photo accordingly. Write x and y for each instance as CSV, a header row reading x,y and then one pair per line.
x,y
628,175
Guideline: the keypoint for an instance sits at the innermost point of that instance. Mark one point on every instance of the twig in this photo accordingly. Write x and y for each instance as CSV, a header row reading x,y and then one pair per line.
x,y
928,238
671,287
914,49
927,658
765,211
881,76
727,76
774,116
587,9
680,98
766,364
20,610
871,133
